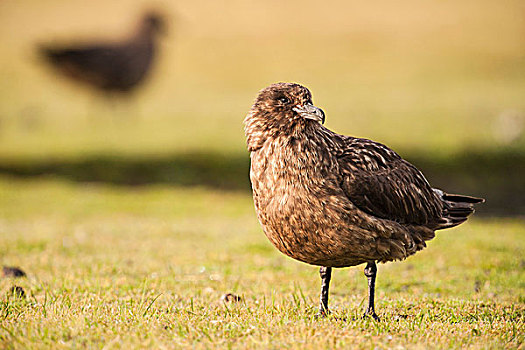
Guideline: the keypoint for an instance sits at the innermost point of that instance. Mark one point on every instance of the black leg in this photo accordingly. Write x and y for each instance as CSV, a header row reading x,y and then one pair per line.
x,y
370,273
326,275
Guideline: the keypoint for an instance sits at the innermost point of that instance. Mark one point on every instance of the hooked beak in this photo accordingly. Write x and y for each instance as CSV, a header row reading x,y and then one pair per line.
x,y
309,111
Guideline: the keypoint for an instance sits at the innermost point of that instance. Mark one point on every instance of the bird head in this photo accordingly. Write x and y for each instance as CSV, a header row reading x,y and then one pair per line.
x,y
281,108
153,22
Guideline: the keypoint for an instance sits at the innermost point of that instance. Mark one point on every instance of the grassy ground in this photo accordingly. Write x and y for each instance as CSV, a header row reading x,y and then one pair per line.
x,y
110,267
112,264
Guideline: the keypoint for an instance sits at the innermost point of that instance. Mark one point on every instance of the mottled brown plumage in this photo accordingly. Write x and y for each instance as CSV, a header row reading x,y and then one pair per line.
x,y
110,67
336,201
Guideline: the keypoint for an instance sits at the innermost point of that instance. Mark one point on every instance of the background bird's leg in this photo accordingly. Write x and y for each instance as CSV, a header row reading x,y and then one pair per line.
x,y
326,275
370,273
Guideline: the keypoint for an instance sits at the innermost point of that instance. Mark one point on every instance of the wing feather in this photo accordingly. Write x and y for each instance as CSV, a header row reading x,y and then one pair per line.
x,y
378,181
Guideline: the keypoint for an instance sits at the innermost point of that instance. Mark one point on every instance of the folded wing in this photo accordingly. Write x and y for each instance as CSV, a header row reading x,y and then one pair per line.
x,y
379,182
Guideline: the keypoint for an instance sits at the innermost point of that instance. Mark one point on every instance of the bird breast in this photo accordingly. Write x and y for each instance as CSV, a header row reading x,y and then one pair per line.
x,y
287,169
298,200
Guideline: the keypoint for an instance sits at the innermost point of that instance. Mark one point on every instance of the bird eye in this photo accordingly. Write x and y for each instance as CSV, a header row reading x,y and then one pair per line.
x,y
284,100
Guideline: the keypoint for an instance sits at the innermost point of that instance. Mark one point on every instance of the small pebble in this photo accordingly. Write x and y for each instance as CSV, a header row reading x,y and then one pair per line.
x,y
477,286
400,317
12,271
230,298
17,292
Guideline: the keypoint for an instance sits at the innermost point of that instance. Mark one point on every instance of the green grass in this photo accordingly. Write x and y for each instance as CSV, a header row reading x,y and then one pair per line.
x,y
147,268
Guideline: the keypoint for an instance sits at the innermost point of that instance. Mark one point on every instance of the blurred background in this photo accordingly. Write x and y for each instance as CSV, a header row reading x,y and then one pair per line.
x,y
441,82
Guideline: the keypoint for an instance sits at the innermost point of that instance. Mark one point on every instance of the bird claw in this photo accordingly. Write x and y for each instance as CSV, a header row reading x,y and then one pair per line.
x,y
325,315
371,313
322,314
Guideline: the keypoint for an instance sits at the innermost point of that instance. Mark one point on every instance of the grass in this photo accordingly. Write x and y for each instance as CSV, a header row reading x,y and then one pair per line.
x,y
118,268
133,220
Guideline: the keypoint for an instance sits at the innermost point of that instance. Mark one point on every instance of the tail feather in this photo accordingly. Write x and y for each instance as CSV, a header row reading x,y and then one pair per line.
x,y
461,198
456,208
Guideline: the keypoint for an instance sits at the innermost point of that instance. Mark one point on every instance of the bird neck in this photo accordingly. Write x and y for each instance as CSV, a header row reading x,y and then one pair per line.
x,y
145,34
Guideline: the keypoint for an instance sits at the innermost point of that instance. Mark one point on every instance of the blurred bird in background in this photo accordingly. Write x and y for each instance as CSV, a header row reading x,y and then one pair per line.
x,y
117,67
